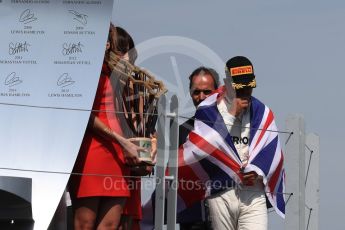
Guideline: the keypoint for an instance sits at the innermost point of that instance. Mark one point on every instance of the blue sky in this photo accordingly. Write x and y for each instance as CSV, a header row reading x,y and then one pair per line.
x,y
297,48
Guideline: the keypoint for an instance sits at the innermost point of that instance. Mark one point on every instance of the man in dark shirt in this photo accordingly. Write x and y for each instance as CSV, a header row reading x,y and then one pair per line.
x,y
202,82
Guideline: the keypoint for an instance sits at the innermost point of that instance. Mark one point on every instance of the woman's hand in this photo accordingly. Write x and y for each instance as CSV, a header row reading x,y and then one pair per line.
x,y
131,151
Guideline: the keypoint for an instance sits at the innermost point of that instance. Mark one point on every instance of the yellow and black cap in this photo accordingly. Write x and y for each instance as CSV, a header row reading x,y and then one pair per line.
x,y
241,70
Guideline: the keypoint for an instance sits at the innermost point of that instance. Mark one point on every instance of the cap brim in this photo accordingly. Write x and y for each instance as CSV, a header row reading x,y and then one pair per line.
x,y
242,85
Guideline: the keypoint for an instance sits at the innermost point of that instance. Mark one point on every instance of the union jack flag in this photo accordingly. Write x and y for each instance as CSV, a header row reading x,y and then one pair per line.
x,y
209,161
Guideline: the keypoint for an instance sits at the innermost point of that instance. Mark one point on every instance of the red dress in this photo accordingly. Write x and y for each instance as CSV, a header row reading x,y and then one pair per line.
x,y
133,203
100,156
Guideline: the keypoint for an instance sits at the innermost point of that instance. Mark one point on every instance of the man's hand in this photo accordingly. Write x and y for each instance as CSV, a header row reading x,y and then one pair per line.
x,y
238,106
249,178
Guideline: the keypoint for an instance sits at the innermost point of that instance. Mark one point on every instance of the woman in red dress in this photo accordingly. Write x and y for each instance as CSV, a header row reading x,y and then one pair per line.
x,y
100,192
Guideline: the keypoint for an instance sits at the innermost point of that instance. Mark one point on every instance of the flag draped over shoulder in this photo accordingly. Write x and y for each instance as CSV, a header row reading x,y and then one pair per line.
x,y
209,162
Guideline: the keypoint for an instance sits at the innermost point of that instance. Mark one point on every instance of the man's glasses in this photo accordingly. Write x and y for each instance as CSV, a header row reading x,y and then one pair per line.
x,y
198,91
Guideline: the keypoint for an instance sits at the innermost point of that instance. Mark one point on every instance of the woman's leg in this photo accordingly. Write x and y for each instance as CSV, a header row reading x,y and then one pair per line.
x,y
109,212
85,213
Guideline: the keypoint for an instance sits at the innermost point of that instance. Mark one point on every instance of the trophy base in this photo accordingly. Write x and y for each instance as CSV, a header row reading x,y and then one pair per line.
x,y
146,162
144,157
